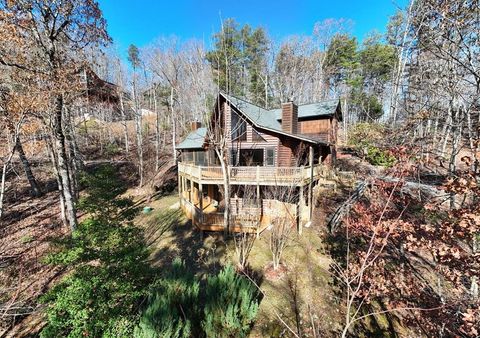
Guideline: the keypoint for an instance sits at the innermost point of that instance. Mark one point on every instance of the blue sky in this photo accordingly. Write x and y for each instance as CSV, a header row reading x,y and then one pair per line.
x,y
140,22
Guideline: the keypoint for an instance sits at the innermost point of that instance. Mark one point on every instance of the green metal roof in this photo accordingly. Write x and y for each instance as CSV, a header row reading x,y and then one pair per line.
x,y
263,118
323,108
270,119
194,140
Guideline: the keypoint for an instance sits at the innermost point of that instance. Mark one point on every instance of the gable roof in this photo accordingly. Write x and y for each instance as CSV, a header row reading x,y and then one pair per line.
x,y
270,119
265,119
194,140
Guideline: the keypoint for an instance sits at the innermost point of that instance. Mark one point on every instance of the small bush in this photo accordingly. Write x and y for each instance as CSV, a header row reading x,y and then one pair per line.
x,y
377,156
172,310
231,305
111,149
364,137
363,134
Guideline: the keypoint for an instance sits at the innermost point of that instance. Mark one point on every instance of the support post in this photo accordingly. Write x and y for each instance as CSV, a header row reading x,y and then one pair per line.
x,y
301,209
180,186
191,192
200,203
258,183
310,185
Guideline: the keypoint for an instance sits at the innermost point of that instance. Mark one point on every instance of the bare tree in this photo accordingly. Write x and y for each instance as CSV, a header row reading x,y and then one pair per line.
x,y
284,200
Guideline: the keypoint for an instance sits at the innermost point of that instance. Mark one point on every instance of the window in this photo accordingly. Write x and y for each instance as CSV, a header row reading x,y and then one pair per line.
x,y
239,128
200,158
188,156
270,157
251,157
256,137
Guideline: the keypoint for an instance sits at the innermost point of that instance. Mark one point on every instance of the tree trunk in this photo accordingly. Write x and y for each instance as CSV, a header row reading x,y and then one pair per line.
x,y
63,168
157,131
34,187
174,129
4,175
124,122
138,132
53,158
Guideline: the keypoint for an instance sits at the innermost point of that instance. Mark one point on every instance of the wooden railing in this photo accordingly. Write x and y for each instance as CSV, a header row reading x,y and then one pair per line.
x,y
243,215
282,175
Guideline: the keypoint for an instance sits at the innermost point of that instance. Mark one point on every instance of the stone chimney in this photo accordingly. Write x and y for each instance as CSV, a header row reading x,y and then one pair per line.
x,y
195,125
289,117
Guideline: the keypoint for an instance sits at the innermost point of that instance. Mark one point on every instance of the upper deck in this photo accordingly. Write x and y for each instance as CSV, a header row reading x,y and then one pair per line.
x,y
257,175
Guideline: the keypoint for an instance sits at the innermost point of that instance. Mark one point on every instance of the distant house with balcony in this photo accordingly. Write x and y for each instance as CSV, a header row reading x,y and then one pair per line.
x,y
286,149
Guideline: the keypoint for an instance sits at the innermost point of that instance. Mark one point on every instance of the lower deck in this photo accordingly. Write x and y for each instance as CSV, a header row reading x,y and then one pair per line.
x,y
252,208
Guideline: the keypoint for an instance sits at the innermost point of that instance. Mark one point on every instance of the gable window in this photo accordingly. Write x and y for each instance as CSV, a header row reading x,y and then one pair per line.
x,y
270,157
256,137
239,128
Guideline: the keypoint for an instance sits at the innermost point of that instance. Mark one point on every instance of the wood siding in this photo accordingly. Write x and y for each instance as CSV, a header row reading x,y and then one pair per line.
x,y
314,126
285,148
270,140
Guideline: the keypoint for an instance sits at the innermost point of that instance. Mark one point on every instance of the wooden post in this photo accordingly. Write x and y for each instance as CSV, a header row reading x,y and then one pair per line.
x,y
301,208
310,185
191,192
179,186
200,204
258,184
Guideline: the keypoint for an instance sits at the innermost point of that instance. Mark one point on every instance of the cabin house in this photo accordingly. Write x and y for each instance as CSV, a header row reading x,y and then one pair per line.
x,y
271,161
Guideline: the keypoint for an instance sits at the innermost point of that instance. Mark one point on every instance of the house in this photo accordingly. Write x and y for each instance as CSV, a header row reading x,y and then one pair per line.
x,y
271,160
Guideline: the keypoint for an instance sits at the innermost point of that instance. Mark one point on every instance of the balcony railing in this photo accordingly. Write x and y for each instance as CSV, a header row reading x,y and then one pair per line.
x,y
261,175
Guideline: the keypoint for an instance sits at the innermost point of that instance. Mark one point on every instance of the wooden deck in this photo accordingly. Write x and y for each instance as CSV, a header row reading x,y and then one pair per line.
x,y
286,176
242,219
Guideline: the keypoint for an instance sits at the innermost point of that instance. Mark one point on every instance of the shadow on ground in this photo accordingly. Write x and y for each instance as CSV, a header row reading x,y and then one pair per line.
x,y
170,235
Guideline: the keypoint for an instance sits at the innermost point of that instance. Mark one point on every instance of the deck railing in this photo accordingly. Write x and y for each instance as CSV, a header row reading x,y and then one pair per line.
x,y
243,215
257,174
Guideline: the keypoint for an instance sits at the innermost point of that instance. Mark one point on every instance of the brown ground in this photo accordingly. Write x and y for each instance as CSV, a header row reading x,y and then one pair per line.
x,y
25,231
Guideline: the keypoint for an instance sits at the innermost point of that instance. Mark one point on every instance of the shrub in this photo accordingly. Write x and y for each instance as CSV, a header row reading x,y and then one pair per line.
x,y
231,305
377,156
111,149
110,273
364,137
172,311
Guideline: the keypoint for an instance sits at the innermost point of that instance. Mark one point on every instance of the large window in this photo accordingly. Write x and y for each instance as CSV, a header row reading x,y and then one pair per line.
x,y
187,156
239,128
247,157
251,157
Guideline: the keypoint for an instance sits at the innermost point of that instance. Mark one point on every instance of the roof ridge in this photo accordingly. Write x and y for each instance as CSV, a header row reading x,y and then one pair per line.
x,y
273,109
244,100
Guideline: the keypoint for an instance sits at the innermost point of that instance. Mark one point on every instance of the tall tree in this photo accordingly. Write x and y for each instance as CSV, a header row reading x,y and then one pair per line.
x,y
134,59
46,39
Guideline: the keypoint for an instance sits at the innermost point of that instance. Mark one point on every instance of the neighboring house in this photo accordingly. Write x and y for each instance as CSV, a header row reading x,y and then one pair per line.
x,y
103,94
288,148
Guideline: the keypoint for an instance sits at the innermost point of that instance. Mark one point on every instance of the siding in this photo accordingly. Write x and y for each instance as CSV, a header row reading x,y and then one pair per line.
x,y
314,126
271,141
